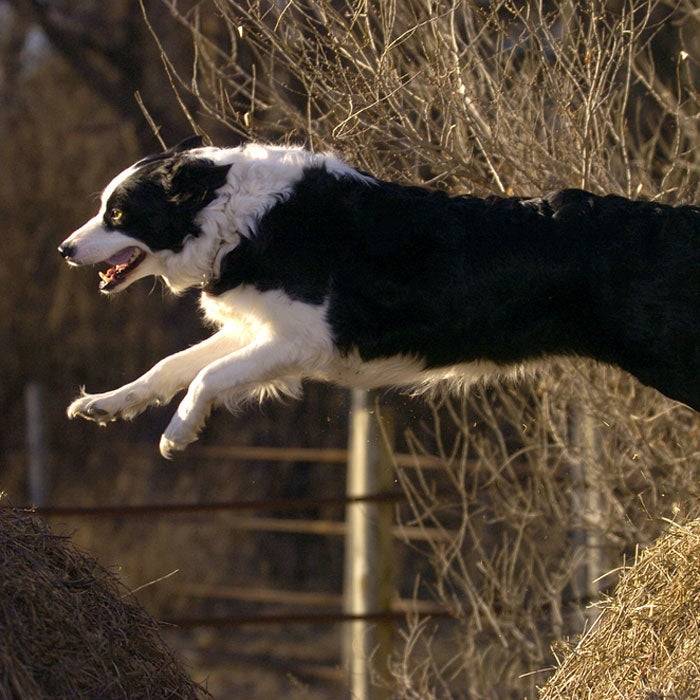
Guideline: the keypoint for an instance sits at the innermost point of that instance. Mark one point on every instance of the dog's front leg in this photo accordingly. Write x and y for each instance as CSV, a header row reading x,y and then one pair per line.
x,y
230,381
158,385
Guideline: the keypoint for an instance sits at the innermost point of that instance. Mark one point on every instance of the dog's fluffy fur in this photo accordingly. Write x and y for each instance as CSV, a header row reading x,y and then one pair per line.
x,y
311,269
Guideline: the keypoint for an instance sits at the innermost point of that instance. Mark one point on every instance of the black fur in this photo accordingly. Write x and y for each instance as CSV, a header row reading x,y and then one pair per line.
x,y
160,200
185,145
409,271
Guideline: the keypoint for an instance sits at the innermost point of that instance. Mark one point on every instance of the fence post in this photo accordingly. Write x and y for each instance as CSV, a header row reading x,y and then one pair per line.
x,y
368,578
36,443
588,508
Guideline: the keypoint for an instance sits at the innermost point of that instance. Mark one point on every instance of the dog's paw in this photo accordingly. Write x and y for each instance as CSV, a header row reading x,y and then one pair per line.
x,y
184,426
121,403
92,407
172,442
177,436
168,448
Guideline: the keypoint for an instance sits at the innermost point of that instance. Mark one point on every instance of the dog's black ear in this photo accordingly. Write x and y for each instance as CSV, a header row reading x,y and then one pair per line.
x,y
196,141
186,145
193,182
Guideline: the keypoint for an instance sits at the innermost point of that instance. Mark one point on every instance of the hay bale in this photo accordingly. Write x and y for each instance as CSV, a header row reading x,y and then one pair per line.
x,y
69,629
646,643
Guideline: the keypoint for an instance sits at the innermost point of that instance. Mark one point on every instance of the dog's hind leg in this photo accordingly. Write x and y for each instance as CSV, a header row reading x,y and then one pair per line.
x,y
277,363
157,386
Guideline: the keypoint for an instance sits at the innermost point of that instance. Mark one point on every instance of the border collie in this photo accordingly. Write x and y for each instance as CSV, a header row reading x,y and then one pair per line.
x,y
311,269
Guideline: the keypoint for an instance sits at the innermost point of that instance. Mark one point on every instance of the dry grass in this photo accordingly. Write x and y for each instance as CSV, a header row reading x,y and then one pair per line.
x,y
68,629
646,643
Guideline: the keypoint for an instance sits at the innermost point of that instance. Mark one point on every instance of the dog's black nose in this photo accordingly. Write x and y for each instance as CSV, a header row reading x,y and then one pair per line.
x,y
66,251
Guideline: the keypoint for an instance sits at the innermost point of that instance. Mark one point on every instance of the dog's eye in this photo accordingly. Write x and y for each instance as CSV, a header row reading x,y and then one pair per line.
x,y
116,216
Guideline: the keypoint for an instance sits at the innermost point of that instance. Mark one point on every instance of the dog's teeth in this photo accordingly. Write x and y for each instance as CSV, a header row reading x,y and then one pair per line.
x,y
103,277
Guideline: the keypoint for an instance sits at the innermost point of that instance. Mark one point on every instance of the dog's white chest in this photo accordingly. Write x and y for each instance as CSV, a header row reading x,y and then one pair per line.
x,y
271,314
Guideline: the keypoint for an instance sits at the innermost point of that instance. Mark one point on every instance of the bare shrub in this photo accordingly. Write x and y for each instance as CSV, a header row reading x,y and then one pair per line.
x,y
545,486
525,523
519,96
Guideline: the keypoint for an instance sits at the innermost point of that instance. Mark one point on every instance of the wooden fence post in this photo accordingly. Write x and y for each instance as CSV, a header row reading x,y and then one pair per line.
x,y
588,509
368,579
35,419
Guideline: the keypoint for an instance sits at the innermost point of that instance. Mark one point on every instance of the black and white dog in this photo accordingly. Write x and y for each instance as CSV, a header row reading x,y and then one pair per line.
x,y
312,269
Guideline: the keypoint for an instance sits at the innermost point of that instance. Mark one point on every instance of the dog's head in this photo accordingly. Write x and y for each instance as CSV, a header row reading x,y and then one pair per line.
x,y
147,222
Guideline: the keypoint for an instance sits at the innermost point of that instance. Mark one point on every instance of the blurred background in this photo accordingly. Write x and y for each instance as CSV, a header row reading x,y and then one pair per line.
x,y
537,488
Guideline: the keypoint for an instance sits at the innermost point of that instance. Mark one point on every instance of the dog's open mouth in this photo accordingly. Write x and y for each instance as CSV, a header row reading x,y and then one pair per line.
x,y
121,265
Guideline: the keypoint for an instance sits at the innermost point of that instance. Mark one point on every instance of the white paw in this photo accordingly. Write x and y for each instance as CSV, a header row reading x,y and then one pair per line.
x,y
168,448
103,408
94,407
177,436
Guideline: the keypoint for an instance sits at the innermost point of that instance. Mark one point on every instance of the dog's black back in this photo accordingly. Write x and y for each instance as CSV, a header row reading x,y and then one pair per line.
x,y
450,280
